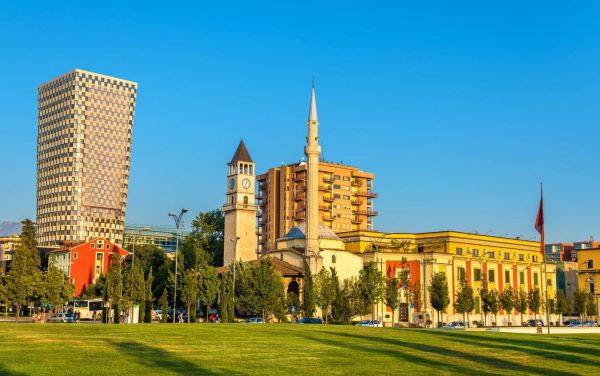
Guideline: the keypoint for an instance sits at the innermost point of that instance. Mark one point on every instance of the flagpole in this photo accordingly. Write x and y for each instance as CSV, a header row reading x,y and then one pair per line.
x,y
543,249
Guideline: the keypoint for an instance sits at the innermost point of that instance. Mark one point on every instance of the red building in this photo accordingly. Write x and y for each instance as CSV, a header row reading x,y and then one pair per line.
x,y
84,262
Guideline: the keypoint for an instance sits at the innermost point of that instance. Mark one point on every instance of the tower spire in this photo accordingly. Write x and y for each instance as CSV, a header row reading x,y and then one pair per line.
x,y
312,112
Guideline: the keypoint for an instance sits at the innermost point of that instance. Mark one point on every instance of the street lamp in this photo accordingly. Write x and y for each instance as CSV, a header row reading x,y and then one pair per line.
x,y
178,223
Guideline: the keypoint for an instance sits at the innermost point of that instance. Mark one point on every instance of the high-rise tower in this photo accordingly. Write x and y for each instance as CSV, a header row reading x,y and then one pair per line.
x,y
240,238
312,151
85,123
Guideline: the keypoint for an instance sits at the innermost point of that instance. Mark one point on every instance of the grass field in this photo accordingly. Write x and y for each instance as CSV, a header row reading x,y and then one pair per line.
x,y
167,349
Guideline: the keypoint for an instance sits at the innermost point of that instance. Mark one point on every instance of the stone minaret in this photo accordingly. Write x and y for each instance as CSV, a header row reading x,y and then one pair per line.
x,y
312,151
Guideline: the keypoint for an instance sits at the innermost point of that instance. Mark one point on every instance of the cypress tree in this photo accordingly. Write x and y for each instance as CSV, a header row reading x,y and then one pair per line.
x,y
308,294
148,298
164,305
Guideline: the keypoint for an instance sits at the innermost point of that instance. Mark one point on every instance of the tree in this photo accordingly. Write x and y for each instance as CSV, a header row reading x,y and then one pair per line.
x,y
4,298
147,256
259,289
507,301
521,303
189,292
534,302
560,307
493,302
392,292
164,305
227,303
57,288
207,236
439,296
25,275
465,300
135,290
208,286
404,279
371,285
148,298
309,299
483,293
579,303
325,291
114,287
590,306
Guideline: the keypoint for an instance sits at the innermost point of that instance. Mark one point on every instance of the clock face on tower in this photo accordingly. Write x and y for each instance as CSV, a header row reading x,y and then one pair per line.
x,y
232,184
246,183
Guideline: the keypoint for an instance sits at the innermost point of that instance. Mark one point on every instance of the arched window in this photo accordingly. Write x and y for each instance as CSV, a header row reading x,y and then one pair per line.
x,y
246,169
333,259
241,168
281,256
245,200
251,170
231,200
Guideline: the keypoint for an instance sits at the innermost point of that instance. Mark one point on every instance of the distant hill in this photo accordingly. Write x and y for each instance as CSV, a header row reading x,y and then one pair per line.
x,y
10,228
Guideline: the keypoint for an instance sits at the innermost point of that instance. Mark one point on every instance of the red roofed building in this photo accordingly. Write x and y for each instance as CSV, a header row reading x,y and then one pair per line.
x,y
84,262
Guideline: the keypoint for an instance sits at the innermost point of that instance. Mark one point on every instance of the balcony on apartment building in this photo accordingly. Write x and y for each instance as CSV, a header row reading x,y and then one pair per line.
x,y
299,178
325,188
328,199
356,202
366,193
371,213
299,197
325,207
356,183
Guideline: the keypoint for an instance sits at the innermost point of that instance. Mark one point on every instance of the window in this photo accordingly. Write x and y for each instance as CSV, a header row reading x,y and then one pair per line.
x,y
506,276
462,275
548,282
333,259
75,255
507,255
346,178
245,200
590,264
535,279
93,245
475,253
534,258
98,256
459,251
521,278
336,177
592,288
346,197
336,186
491,254
107,246
491,275
521,257
336,195
477,274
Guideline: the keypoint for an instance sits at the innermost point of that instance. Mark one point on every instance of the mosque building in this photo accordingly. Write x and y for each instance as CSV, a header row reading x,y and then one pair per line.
x,y
474,258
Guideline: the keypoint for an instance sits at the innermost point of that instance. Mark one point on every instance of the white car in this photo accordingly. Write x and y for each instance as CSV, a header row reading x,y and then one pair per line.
x,y
62,318
373,323
455,325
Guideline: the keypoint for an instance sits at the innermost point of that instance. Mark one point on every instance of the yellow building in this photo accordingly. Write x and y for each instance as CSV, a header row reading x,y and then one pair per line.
x,y
588,261
503,261
345,200
7,250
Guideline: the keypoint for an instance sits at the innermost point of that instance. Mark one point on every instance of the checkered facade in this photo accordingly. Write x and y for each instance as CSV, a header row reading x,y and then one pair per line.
x,y
85,123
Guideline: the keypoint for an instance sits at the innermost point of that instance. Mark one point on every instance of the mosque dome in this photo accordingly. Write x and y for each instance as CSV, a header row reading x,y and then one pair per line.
x,y
299,232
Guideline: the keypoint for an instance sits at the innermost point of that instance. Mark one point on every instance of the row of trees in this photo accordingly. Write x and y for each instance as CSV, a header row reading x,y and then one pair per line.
x,y
26,284
492,301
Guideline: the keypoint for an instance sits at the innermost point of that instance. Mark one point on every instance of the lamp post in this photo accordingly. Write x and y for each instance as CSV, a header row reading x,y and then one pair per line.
x,y
178,223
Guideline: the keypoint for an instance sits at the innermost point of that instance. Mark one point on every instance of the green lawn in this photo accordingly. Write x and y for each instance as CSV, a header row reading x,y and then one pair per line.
x,y
276,349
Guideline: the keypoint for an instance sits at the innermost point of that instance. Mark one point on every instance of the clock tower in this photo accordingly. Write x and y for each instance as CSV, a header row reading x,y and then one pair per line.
x,y
241,242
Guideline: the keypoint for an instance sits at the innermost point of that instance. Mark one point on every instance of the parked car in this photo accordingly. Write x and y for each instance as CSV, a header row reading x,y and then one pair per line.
x,y
590,323
574,324
455,325
310,320
253,320
533,323
62,318
374,323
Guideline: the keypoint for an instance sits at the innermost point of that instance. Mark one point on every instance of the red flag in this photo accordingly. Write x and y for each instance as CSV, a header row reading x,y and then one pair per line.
x,y
539,221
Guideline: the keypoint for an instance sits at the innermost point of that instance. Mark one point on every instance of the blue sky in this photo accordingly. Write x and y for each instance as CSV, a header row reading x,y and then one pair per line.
x,y
459,108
